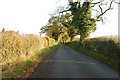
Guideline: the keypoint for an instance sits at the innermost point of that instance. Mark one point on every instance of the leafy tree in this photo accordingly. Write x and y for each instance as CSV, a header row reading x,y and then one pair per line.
x,y
54,29
82,15
82,18
78,21
66,21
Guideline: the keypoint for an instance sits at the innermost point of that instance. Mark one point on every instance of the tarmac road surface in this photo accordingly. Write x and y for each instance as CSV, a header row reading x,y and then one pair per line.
x,y
68,63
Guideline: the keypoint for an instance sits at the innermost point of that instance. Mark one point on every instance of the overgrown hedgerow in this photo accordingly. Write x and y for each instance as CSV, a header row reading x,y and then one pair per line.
x,y
104,45
16,48
104,49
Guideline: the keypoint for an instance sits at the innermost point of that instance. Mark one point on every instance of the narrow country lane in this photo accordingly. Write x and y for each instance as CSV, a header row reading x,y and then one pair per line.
x,y
68,63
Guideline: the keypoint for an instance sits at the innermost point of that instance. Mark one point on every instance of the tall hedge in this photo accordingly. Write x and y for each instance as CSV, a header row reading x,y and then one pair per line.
x,y
16,47
103,45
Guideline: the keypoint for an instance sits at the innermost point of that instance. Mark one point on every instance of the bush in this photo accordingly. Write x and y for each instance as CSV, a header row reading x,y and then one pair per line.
x,y
103,45
16,47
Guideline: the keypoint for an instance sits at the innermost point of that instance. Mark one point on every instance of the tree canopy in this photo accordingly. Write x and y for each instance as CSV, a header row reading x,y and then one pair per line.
x,y
78,20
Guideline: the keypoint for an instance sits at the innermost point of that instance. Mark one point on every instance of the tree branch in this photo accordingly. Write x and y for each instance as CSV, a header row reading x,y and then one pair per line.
x,y
102,13
64,11
95,4
101,9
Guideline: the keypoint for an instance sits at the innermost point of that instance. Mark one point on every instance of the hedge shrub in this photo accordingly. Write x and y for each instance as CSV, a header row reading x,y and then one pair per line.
x,y
16,47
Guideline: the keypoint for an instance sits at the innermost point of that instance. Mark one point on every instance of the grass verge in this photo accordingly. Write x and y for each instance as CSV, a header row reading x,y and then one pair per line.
x,y
24,69
114,63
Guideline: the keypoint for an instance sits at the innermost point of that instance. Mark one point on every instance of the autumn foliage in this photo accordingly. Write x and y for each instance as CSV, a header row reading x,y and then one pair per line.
x,y
16,47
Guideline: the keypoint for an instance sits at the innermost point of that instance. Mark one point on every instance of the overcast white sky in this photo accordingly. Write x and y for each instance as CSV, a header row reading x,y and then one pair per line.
x,y
28,16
